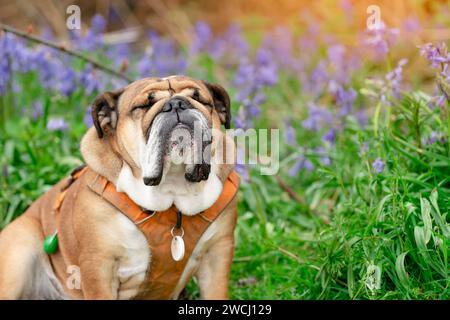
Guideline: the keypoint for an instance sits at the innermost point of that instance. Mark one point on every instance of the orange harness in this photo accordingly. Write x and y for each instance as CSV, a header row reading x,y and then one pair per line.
x,y
157,227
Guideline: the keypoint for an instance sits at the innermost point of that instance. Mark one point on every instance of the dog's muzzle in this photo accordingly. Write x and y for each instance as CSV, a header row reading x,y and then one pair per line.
x,y
164,137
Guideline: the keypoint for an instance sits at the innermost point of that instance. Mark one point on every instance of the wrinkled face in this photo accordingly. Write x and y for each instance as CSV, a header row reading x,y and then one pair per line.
x,y
155,122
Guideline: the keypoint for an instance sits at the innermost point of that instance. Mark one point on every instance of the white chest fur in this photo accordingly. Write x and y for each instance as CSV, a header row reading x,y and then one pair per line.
x,y
135,260
189,198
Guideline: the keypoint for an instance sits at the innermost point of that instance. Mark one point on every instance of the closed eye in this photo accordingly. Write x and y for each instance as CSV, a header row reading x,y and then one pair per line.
x,y
142,107
196,96
147,105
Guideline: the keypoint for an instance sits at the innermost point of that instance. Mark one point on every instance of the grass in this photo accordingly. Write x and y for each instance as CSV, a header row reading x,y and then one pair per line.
x,y
355,234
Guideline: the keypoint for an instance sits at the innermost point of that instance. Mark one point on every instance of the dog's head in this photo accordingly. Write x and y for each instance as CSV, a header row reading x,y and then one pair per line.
x,y
150,118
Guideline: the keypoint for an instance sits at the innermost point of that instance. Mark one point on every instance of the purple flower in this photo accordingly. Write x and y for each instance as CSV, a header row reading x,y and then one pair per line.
x,y
202,37
57,124
345,99
87,118
318,79
394,78
266,70
289,134
162,58
323,156
37,110
300,163
412,25
230,46
363,148
241,167
241,120
391,84
439,57
437,54
280,43
93,38
7,52
330,136
380,39
89,81
98,24
144,66
378,165
434,136
5,73
317,118
67,83
251,79
119,54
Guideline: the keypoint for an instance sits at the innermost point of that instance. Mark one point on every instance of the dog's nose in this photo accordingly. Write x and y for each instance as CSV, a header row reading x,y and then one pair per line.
x,y
176,104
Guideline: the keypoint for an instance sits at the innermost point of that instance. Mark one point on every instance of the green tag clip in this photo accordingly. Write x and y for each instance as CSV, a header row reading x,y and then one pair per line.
x,y
51,243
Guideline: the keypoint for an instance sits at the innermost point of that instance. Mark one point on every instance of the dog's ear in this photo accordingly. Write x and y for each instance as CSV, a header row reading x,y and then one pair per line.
x,y
105,113
221,103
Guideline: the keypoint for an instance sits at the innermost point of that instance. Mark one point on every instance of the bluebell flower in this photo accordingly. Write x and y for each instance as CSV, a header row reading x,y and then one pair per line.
x,y
380,39
411,25
300,163
241,166
394,78
317,117
67,81
201,39
57,124
87,118
432,138
439,57
344,100
363,148
93,38
98,24
37,110
227,48
250,80
89,81
378,165
162,58
330,136
289,134
323,156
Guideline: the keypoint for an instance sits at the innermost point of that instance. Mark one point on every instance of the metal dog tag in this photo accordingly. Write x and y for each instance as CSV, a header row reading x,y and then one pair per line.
x,y
177,248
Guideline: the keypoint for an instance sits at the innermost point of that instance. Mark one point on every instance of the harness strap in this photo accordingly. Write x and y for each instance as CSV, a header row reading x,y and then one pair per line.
x,y
105,189
74,175
164,272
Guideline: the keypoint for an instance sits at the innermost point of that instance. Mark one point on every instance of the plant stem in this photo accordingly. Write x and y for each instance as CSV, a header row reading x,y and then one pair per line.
x,y
62,48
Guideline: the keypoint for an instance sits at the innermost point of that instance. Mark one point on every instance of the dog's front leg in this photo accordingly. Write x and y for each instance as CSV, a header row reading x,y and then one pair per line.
x,y
98,278
214,269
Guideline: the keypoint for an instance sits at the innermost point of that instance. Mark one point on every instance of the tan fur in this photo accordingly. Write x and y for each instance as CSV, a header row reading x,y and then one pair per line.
x,y
92,232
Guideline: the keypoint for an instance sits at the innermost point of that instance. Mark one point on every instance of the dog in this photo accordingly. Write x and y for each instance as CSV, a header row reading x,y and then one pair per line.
x,y
134,223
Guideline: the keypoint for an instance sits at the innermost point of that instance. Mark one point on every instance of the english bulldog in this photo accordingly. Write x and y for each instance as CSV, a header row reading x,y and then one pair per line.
x,y
102,253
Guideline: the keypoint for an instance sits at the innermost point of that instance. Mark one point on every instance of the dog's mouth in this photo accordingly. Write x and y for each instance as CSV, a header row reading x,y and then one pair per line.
x,y
184,141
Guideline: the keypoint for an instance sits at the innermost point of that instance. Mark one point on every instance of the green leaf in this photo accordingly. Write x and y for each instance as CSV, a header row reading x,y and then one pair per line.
x,y
376,118
400,270
438,218
425,210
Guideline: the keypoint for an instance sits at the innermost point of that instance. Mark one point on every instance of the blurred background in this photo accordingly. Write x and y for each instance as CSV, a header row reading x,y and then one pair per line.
x,y
343,18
